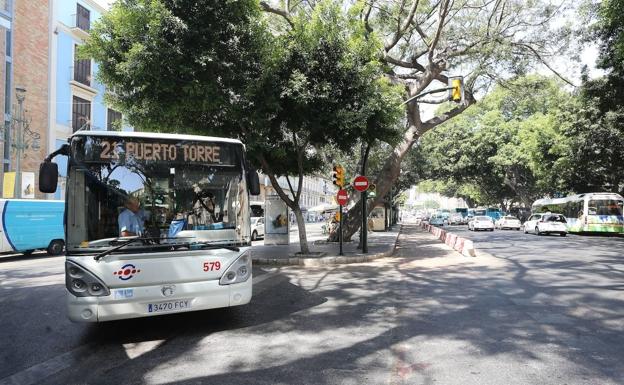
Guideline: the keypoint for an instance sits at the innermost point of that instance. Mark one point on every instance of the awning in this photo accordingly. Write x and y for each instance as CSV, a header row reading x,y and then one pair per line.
x,y
323,207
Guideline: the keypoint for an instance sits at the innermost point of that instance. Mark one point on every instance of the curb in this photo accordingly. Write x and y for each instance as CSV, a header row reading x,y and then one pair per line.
x,y
329,260
460,244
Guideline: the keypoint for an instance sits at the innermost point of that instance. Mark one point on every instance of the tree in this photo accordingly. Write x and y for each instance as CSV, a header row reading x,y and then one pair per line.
x,y
180,66
323,88
506,149
595,161
426,41
213,67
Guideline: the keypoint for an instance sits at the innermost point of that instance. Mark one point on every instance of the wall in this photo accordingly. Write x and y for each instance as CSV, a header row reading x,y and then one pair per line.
x,y
30,70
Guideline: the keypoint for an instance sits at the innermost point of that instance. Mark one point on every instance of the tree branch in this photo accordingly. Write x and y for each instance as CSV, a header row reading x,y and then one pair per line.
x,y
436,121
283,13
274,183
444,9
292,190
539,57
403,27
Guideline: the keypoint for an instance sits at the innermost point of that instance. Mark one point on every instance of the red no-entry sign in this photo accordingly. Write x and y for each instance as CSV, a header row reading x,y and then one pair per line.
x,y
342,197
360,183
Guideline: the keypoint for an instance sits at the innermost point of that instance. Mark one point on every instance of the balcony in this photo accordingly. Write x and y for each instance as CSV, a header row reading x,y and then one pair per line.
x,y
81,78
80,26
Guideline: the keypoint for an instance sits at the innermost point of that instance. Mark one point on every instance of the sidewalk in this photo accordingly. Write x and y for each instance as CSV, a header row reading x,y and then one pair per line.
x,y
380,245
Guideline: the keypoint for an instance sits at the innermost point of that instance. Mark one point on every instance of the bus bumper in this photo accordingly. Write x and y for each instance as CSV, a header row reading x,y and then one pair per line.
x,y
137,302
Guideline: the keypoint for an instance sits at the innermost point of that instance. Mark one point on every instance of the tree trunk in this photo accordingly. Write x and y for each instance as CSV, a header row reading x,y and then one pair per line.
x,y
303,239
293,204
384,181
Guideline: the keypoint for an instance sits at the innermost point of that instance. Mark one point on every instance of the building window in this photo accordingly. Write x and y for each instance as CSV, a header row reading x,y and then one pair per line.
x,y
8,43
5,6
82,69
114,120
81,114
82,18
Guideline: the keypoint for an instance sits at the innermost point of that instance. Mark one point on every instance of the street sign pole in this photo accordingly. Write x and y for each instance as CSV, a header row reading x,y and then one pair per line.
x,y
364,224
340,231
342,198
361,183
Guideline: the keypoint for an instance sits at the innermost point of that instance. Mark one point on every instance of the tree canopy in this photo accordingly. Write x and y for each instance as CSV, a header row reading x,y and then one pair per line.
x,y
180,66
506,148
218,68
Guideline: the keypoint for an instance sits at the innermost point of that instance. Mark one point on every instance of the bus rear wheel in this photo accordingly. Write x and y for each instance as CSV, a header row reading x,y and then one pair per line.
x,y
56,247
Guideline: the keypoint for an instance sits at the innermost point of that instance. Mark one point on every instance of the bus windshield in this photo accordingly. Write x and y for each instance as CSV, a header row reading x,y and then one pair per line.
x,y
605,207
170,191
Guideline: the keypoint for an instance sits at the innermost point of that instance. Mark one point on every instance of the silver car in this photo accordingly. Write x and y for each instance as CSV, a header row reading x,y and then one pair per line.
x,y
508,222
481,222
257,228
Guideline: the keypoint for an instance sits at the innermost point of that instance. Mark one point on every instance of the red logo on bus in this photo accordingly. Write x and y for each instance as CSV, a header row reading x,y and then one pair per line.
x,y
126,272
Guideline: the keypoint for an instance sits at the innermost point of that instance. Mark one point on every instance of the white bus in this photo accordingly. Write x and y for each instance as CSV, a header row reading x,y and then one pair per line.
x,y
155,223
590,212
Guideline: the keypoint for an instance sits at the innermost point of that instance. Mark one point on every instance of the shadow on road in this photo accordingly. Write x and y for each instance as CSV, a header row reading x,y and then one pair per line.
x,y
397,320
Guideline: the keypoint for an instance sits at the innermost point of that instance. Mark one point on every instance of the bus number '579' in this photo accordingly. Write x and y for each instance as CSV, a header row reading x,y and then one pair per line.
x,y
212,266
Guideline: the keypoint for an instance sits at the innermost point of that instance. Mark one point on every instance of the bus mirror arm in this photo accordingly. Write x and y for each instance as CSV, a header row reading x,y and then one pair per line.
x,y
48,171
63,150
253,182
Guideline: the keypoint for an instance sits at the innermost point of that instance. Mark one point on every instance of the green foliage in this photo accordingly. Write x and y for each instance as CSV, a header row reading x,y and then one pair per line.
x,y
506,148
323,87
610,31
595,157
180,66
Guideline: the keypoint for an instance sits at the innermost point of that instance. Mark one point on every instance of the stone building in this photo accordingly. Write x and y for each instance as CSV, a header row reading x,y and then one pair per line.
x,y
38,40
25,45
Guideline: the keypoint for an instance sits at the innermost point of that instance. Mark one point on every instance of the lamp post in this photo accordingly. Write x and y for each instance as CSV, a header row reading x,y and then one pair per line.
x,y
19,140
24,139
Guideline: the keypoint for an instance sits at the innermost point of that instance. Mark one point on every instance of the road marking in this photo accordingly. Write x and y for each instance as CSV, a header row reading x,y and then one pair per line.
x,y
136,349
264,277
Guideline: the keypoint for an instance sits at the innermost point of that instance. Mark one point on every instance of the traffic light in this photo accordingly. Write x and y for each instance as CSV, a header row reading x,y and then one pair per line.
x,y
372,190
338,176
456,93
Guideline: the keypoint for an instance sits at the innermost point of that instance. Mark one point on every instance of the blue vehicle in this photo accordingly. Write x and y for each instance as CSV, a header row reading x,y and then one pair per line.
x,y
492,212
29,224
462,211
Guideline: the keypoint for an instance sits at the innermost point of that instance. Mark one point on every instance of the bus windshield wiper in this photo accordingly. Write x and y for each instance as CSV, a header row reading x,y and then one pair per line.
x,y
132,240
207,245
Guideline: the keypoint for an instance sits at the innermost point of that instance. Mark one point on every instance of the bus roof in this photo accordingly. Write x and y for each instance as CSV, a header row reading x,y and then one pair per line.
x,y
578,197
156,135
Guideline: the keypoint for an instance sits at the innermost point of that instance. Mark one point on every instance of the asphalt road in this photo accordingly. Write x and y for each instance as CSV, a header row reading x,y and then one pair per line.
x,y
514,244
540,310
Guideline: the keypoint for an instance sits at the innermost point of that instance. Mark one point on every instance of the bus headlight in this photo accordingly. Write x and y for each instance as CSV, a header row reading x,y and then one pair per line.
x,y
82,283
239,271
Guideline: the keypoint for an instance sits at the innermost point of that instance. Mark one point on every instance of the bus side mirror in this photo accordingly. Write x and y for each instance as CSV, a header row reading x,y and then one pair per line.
x,y
48,177
253,181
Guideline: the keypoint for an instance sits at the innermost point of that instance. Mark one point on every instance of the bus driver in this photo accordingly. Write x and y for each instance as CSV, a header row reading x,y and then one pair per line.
x,y
131,220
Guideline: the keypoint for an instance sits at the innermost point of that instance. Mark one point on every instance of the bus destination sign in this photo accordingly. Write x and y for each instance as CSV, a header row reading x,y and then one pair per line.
x,y
161,151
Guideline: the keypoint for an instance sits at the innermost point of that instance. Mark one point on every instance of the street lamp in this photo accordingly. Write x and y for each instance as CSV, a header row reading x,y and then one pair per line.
x,y
24,139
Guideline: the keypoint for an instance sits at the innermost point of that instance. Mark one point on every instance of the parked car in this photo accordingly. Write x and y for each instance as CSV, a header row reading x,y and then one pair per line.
x,y
546,223
481,222
257,228
508,222
437,220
